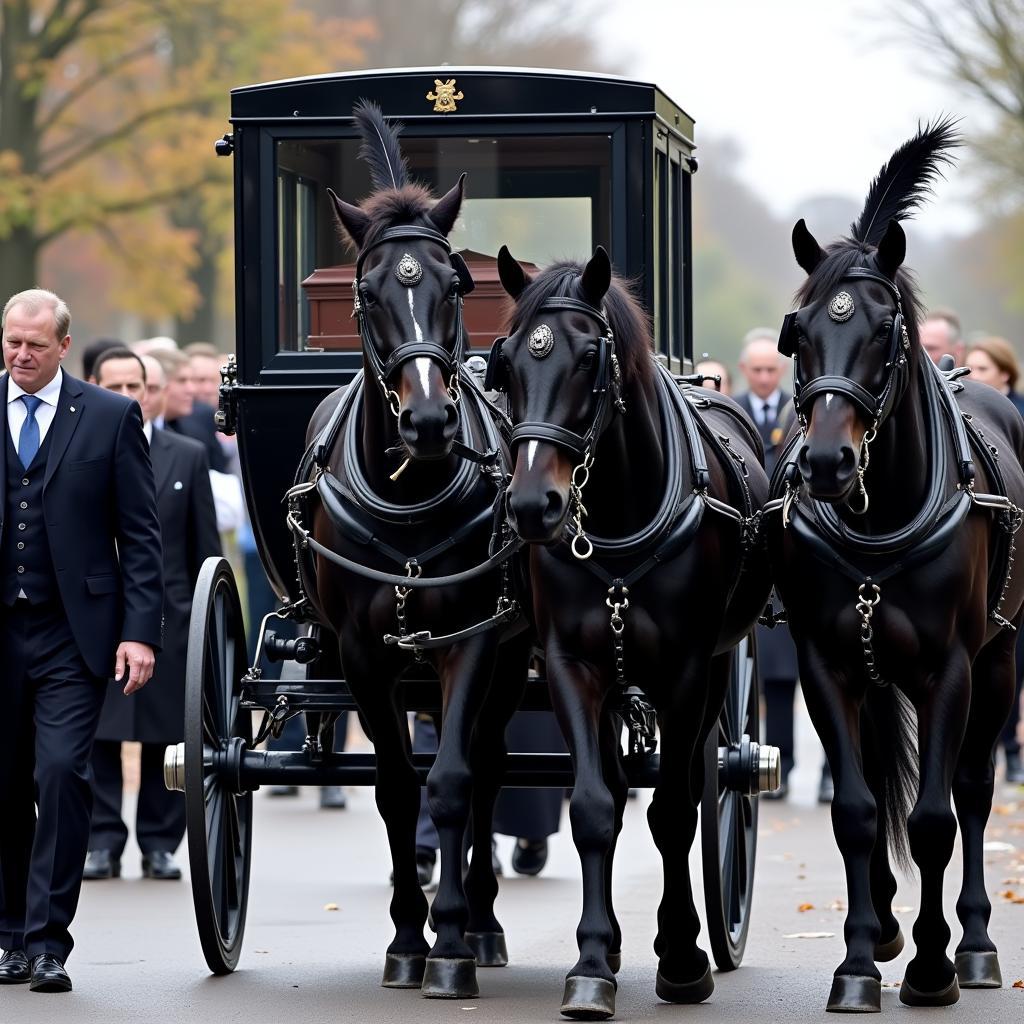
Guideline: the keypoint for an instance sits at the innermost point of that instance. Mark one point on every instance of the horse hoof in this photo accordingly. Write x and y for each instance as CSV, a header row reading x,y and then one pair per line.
x,y
446,978
978,970
886,951
944,997
403,970
685,991
588,998
855,993
489,948
614,962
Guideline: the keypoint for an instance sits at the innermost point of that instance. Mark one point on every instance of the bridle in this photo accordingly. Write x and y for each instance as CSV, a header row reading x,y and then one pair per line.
x,y
607,387
409,273
876,407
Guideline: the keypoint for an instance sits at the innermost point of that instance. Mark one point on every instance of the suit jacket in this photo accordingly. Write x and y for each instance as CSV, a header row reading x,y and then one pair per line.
x,y
199,425
101,522
188,524
773,434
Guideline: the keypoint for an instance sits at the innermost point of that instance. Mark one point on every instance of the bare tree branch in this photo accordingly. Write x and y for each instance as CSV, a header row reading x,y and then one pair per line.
x,y
51,43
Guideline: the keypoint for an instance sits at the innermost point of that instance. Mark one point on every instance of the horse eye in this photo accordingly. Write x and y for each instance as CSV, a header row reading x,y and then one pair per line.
x,y
884,331
587,361
367,296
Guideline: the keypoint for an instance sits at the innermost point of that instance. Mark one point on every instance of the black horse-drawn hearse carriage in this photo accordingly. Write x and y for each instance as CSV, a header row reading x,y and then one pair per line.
x,y
558,163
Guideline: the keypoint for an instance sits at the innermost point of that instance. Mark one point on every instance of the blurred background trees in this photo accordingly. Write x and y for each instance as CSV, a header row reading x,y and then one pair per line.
x,y
110,193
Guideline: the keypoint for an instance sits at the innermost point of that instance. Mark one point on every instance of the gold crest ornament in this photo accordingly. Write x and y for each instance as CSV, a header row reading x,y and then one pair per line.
x,y
444,96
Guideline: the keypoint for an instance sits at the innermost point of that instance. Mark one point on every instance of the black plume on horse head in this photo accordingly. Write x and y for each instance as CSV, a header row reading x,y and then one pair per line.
x,y
381,148
899,189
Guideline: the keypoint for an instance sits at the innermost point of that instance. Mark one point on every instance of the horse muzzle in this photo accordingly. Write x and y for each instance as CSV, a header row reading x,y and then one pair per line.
x,y
428,429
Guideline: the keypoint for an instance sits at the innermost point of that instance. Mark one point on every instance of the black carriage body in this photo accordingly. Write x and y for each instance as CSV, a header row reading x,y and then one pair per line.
x,y
594,159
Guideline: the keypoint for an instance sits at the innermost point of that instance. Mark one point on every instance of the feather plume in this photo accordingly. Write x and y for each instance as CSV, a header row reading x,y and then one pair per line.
x,y
906,179
380,148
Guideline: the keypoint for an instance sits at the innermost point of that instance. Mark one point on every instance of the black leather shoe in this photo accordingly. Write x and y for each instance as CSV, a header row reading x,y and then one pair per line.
x,y
282,791
1014,770
332,797
48,974
425,860
529,856
160,864
101,864
14,967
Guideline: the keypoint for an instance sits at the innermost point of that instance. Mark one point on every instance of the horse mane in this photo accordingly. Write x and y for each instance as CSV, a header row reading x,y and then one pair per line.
x,y
899,189
626,317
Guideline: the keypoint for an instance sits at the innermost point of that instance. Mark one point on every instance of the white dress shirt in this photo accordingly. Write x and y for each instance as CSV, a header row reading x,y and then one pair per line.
x,y
17,413
767,409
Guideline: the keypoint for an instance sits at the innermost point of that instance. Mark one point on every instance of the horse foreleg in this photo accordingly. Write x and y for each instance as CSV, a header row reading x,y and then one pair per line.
x,y
690,709
930,979
398,799
484,934
577,697
835,711
992,691
465,673
618,784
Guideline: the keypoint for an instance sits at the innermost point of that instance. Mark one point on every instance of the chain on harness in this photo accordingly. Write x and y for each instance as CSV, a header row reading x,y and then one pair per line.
x,y
636,710
580,476
413,569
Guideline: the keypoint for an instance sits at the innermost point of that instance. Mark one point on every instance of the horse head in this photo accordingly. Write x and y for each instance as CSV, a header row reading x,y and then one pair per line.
x,y
854,338
408,291
561,368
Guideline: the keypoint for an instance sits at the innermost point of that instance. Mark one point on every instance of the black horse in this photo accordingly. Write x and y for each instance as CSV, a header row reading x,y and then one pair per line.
x,y
892,539
669,580
405,466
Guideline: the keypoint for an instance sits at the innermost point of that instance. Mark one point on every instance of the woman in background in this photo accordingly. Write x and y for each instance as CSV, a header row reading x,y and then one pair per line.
x,y
993,362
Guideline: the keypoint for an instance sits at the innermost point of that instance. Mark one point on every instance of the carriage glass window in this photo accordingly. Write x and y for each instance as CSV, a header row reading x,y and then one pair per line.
x,y
545,197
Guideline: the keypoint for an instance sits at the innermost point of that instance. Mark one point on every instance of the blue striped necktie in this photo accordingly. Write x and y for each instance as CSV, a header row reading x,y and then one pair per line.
x,y
28,441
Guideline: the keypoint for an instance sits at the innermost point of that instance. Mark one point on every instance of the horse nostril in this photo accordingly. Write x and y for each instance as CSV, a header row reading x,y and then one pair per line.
x,y
847,461
405,424
451,420
803,462
554,509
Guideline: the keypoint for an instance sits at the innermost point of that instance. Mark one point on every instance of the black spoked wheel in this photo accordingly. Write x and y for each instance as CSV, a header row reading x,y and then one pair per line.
x,y
728,818
219,817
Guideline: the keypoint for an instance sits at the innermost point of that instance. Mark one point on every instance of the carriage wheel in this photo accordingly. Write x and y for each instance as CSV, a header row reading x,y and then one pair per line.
x,y
219,817
728,816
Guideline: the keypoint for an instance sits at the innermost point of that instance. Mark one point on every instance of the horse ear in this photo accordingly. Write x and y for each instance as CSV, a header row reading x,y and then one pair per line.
x,y
805,247
597,276
892,249
446,210
512,276
352,220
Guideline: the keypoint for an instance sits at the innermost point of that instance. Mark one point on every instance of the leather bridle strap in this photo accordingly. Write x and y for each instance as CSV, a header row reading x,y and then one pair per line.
x,y
857,394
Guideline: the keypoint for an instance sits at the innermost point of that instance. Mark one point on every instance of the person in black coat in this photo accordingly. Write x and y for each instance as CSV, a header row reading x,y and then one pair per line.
x,y
188,524
770,407
80,600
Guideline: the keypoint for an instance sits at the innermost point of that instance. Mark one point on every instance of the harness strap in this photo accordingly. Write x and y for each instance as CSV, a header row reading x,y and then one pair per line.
x,y
841,386
424,640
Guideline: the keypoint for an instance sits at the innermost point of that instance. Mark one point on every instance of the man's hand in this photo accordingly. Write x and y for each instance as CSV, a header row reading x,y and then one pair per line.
x,y
137,660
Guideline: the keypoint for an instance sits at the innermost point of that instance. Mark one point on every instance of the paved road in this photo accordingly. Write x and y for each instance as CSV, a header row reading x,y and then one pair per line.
x,y
138,958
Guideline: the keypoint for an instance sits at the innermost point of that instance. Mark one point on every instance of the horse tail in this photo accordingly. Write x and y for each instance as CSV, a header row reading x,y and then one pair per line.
x,y
889,725
380,149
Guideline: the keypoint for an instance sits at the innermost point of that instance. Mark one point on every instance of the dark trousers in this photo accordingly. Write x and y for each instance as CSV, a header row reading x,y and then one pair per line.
x,y
1008,737
159,814
779,695
51,709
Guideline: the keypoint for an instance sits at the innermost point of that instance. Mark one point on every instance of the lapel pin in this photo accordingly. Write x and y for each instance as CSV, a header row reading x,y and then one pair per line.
x,y
177,485
71,408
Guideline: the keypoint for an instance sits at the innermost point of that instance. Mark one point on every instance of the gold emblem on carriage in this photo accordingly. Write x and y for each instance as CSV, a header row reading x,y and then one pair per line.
x,y
444,96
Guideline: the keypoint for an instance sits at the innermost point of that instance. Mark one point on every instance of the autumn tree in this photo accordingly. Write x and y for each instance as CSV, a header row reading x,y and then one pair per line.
x,y
107,112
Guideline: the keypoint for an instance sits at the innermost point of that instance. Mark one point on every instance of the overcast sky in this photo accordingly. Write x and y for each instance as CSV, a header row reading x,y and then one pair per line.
x,y
811,89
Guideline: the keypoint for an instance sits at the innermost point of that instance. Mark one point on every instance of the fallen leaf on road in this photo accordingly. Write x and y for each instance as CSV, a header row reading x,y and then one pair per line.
x,y
1009,895
892,984
1019,983
1004,809
1013,881
261,950
809,935
998,847
804,907
330,906
801,878
837,905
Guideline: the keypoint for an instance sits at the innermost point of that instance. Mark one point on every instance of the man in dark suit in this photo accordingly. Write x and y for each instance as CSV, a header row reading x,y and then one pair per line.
x,y
80,600
188,526
770,408
183,414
